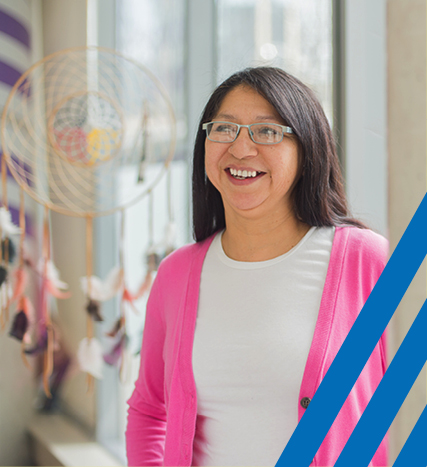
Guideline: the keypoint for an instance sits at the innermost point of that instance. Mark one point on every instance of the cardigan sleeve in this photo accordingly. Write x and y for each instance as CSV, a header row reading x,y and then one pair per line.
x,y
146,427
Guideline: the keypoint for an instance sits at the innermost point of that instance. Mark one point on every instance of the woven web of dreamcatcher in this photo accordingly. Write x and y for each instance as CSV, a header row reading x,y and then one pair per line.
x,y
78,118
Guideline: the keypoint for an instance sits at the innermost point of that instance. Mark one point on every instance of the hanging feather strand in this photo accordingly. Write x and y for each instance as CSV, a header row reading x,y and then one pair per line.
x,y
50,274
89,354
102,291
7,226
48,353
20,283
144,134
94,310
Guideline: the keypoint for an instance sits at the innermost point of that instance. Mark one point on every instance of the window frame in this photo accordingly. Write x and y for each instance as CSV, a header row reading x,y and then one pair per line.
x,y
350,107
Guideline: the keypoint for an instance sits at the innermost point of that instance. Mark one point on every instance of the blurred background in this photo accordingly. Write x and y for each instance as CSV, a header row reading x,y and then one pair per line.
x,y
365,60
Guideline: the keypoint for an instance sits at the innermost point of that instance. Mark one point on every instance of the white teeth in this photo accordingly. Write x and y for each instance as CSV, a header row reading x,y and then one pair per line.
x,y
243,173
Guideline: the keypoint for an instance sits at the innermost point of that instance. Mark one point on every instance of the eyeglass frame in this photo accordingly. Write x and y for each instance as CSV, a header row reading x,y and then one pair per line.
x,y
285,130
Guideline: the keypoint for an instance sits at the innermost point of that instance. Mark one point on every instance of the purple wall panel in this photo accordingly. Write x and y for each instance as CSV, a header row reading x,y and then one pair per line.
x,y
13,28
8,74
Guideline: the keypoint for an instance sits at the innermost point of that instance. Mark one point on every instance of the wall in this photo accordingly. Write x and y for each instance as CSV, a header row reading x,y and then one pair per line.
x,y
65,26
406,48
365,114
19,48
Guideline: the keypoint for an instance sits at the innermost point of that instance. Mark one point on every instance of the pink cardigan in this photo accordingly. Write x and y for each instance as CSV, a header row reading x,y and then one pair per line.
x,y
163,407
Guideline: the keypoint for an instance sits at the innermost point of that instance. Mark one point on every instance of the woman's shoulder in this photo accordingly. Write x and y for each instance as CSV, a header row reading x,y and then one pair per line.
x,y
365,243
175,270
185,257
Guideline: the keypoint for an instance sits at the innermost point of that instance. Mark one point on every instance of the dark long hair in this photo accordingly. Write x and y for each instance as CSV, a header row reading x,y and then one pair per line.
x,y
318,196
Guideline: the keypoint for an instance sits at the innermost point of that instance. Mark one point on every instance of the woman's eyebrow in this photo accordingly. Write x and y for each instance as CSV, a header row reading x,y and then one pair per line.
x,y
266,118
225,116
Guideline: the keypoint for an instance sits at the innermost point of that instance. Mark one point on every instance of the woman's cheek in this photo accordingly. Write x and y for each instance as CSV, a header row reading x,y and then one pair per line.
x,y
212,168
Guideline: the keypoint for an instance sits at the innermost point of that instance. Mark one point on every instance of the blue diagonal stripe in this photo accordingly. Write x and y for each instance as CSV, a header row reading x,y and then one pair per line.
x,y
414,452
389,396
359,344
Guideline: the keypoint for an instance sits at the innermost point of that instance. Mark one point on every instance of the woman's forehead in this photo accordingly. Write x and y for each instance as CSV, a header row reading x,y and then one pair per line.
x,y
244,101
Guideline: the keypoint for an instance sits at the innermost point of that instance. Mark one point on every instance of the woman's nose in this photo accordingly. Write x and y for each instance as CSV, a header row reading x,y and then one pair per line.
x,y
243,146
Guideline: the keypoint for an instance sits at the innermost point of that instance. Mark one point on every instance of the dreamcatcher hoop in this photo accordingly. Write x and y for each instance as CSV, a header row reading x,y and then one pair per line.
x,y
71,123
104,112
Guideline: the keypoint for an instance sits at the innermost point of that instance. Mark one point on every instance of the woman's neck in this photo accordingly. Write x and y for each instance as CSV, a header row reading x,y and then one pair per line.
x,y
250,240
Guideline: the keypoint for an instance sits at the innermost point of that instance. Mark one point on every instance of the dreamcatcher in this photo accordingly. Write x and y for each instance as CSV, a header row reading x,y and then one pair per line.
x,y
72,123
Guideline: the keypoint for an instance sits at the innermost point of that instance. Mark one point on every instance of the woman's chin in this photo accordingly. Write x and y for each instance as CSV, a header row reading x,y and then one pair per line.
x,y
247,208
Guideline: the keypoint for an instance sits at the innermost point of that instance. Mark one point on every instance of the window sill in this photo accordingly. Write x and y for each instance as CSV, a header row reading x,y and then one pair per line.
x,y
55,440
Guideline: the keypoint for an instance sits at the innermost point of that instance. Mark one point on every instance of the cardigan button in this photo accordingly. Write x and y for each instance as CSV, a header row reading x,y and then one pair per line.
x,y
304,402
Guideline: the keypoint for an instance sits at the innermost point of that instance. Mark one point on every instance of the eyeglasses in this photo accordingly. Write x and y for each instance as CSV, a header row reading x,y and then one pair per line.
x,y
261,133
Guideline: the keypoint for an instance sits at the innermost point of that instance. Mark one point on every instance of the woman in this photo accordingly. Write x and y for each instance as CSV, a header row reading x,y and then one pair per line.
x,y
242,326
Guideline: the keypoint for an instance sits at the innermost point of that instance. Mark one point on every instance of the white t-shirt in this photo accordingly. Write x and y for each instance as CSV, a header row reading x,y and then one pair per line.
x,y
254,329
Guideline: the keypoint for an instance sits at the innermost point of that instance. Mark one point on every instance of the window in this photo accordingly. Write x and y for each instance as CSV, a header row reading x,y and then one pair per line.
x,y
295,35
191,46
152,33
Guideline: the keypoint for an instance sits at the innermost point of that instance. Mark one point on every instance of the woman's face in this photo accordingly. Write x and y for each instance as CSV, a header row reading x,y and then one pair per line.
x,y
276,165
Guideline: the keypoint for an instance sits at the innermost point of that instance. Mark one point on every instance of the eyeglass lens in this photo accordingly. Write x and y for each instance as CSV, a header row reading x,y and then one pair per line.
x,y
265,133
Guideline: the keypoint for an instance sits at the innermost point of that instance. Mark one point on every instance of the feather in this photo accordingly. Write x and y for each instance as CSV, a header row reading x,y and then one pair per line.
x,y
153,261
11,250
5,296
115,354
96,287
53,290
103,290
118,325
129,298
94,309
52,273
23,321
53,276
52,281
19,325
40,346
6,224
114,281
89,356
3,275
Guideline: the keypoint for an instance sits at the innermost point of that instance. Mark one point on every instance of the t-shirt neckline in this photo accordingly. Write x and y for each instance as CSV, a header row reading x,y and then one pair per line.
x,y
219,251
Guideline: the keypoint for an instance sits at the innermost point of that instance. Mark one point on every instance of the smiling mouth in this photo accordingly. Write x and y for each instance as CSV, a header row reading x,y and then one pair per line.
x,y
243,174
